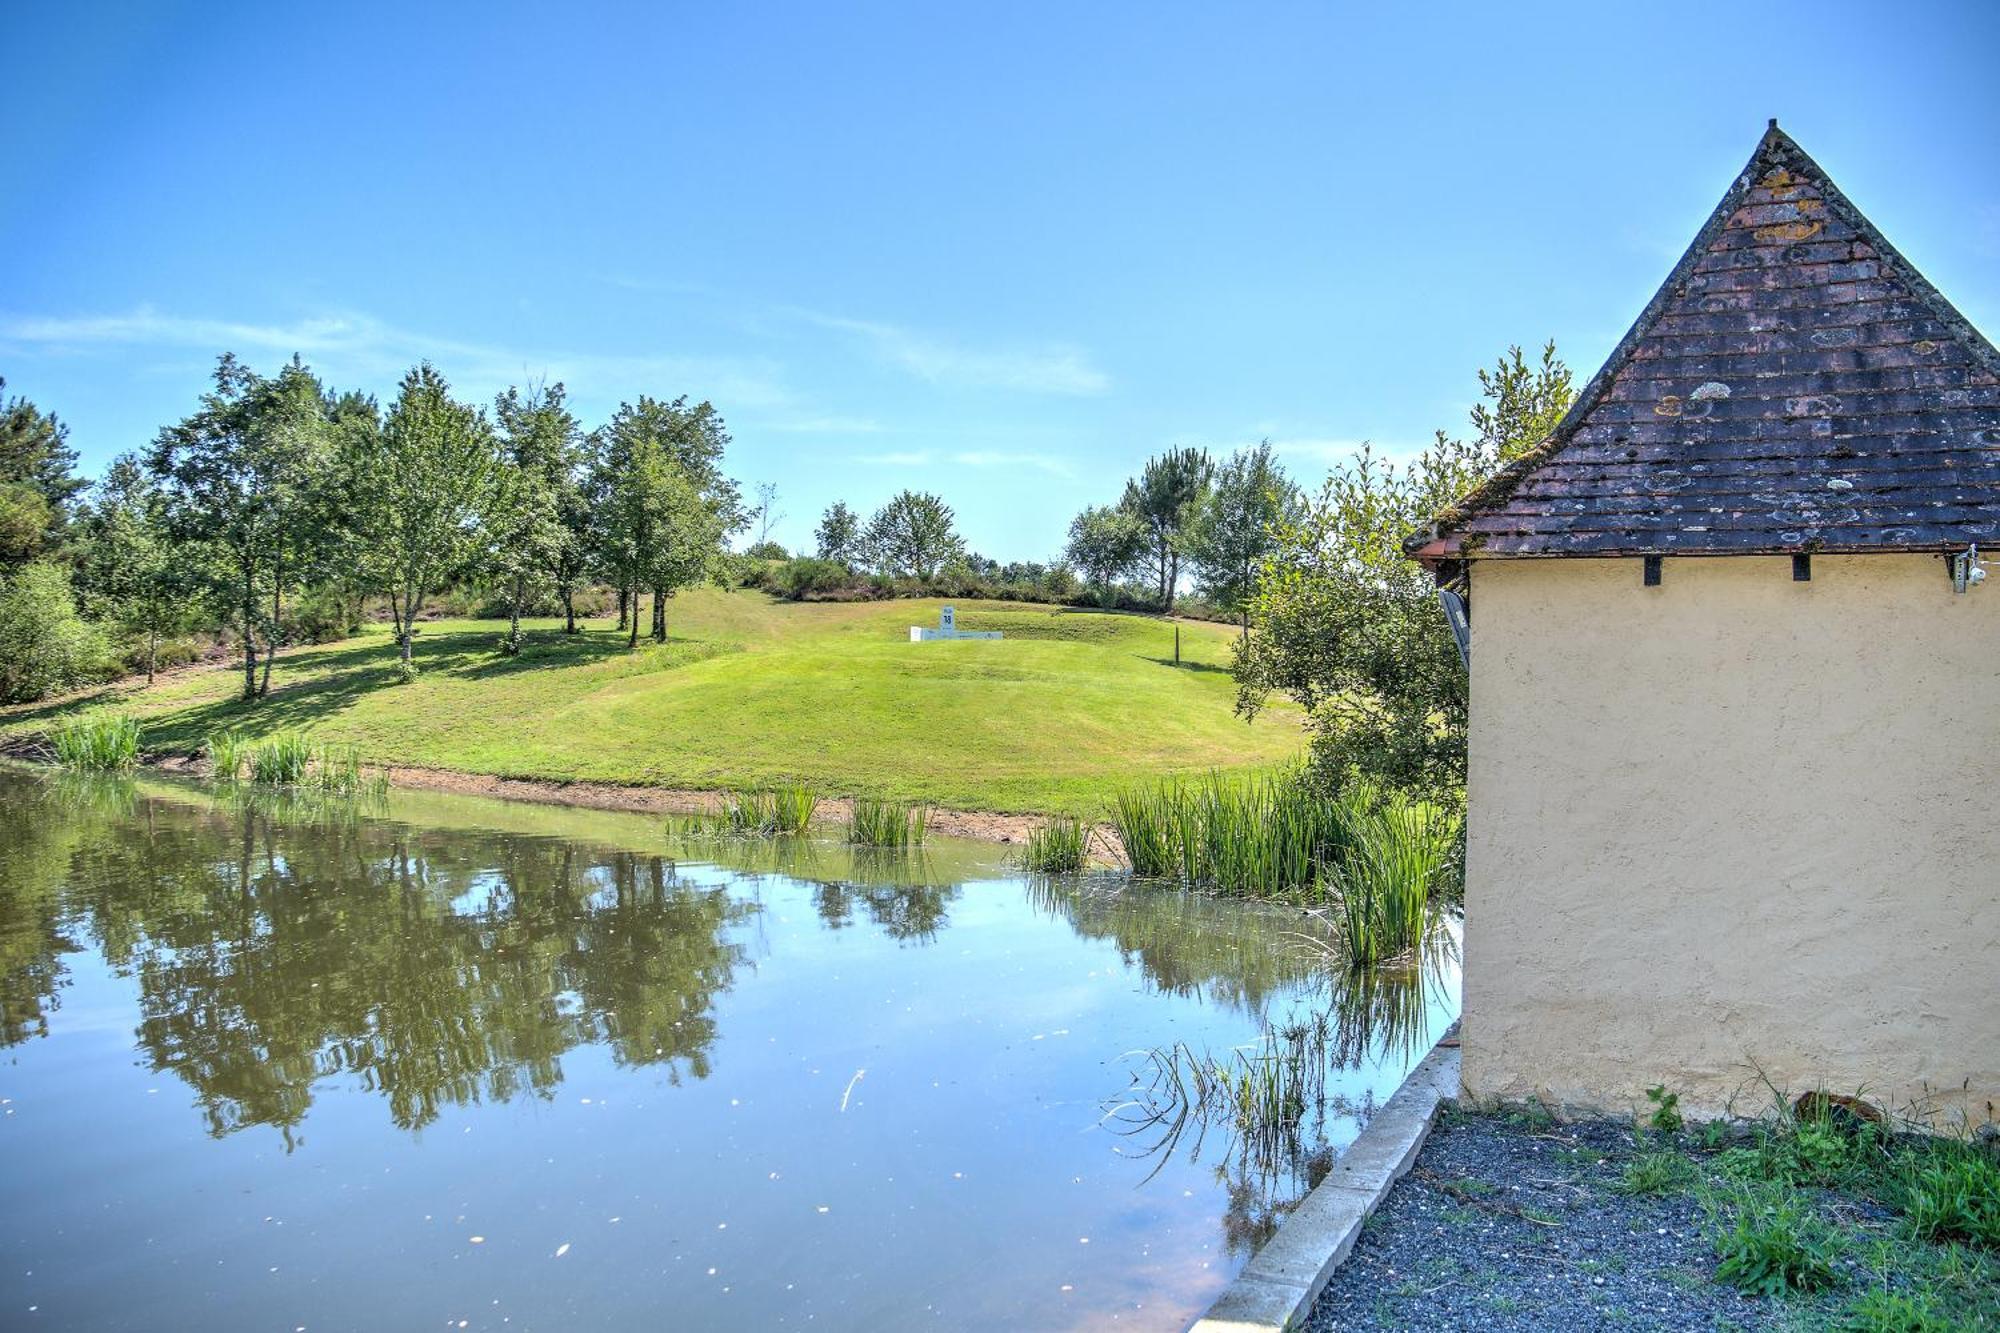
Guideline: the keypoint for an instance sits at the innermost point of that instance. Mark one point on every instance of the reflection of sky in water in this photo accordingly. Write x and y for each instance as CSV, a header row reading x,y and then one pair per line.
x,y
269,1070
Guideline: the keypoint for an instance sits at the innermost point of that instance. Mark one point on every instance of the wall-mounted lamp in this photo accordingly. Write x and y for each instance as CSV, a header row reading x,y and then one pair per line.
x,y
1966,571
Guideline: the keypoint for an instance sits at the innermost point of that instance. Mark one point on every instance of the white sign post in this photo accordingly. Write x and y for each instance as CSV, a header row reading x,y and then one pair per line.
x,y
948,629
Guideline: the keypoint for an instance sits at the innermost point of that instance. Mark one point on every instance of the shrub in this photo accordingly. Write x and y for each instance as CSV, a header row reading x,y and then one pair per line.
x,y
103,743
45,646
807,576
1666,1115
1768,1241
1057,847
323,615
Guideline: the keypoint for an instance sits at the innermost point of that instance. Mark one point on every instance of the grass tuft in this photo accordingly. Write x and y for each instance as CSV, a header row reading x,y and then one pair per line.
x,y
227,752
888,823
767,812
1956,1198
105,743
1769,1241
1398,854
1058,847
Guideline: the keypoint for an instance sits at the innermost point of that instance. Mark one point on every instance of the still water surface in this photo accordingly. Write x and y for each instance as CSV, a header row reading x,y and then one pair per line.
x,y
452,1063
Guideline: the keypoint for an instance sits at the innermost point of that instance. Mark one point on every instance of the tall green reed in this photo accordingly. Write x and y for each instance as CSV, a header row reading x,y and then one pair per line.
x,y
765,812
1398,855
1057,847
1260,836
105,743
888,823
227,751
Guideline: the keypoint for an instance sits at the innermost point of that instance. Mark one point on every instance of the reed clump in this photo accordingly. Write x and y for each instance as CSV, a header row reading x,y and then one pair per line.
x,y
768,811
1397,855
290,759
106,743
1057,847
1260,837
888,823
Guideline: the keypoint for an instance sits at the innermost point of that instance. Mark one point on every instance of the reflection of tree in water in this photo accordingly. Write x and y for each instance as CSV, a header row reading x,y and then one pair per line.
x,y
904,912
437,969
1233,953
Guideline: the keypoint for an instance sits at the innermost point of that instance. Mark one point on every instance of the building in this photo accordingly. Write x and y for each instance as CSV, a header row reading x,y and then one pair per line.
x,y
1735,691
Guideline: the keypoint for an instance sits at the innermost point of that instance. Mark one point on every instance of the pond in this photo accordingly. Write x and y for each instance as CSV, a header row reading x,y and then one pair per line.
x,y
444,1062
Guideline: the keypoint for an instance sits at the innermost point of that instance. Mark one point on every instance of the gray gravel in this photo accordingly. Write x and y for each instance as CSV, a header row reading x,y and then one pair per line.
x,y
1502,1225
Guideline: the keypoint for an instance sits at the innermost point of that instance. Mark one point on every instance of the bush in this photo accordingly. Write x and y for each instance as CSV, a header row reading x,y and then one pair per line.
x,y
807,577
323,615
45,646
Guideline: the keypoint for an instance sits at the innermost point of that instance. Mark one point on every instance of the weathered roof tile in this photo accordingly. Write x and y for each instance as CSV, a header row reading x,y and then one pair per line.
x,y
1795,385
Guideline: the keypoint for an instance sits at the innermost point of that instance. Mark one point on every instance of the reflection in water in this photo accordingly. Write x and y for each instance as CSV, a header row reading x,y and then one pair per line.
x,y
369,970
276,943
1270,1113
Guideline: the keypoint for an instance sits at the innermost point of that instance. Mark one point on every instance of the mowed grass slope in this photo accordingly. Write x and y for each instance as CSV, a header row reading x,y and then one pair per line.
x,y
1057,716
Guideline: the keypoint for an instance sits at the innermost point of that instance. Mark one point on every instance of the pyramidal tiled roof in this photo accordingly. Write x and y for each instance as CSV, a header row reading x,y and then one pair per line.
x,y
1794,386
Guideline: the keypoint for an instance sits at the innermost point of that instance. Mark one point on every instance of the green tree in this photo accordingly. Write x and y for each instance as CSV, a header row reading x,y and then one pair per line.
x,y
1166,496
45,645
913,535
531,532
133,576
839,534
1237,526
664,534
37,479
241,481
694,438
424,485
1349,626
1106,542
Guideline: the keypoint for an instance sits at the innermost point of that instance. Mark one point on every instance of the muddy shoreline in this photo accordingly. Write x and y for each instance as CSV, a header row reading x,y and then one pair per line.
x,y
982,825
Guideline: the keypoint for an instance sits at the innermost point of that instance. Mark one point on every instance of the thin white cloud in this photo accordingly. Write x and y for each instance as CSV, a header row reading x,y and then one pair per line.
x,y
908,458
1002,459
345,344
1055,368
828,425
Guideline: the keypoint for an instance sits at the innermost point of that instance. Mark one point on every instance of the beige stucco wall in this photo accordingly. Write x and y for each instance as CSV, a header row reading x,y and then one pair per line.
x,y
1734,823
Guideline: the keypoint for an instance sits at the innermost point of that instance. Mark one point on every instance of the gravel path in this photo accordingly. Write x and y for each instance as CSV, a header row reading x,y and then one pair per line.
x,y
1504,1225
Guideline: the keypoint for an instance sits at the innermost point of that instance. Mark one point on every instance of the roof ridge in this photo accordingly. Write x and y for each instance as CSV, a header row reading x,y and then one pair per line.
x,y
1775,148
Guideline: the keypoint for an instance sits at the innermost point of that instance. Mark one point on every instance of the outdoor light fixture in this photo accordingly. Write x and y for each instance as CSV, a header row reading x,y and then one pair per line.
x,y
1966,571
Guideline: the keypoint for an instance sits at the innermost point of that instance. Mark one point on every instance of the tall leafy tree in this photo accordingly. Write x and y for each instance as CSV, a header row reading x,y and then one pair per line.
x,y
913,535
530,532
1166,496
839,534
1349,626
1237,526
239,480
424,486
37,479
1106,542
132,575
690,436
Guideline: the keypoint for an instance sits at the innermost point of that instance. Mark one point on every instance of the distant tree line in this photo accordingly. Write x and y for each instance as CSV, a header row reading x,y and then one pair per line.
x,y
278,505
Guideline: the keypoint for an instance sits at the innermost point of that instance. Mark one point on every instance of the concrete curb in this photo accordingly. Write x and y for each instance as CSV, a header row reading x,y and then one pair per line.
x,y
1277,1289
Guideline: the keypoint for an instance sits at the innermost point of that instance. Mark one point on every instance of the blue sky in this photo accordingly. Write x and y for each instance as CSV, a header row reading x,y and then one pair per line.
x,y
1002,252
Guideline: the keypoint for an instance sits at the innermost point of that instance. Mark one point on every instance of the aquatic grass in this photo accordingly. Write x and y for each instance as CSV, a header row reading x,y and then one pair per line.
x,y
227,752
888,823
768,811
337,770
1261,836
1398,854
1057,847
280,761
105,743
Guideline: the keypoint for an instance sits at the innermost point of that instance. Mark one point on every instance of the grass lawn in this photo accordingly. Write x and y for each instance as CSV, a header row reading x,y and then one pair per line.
x,y
750,691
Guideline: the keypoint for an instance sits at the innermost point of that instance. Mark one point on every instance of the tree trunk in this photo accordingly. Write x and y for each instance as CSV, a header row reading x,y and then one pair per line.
x,y
569,608
152,653
632,640
659,615
513,644
621,606
249,639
